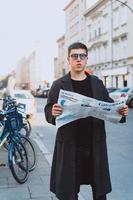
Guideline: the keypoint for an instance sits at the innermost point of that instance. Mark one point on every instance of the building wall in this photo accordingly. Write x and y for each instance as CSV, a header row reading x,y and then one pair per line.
x,y
28,73
107,31
74,21
56,68
75,24
59,63
130,46
22,73
109,42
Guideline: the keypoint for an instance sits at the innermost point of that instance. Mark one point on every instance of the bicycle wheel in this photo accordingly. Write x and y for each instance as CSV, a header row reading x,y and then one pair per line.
x,y
30,149
18,161
24,131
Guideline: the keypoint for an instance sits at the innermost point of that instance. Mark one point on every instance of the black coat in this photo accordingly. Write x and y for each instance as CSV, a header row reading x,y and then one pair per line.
x,y
63,178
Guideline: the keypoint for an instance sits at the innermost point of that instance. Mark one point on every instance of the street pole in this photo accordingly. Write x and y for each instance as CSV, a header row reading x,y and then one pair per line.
x,y
125,4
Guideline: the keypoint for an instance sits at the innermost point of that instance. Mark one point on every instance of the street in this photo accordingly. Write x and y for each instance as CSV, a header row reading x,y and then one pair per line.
x,y
120,148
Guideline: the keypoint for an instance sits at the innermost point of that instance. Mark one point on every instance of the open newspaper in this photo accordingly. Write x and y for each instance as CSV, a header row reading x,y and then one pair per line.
x,y
76,106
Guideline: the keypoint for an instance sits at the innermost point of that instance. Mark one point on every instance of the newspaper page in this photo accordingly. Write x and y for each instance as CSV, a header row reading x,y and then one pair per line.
x,y
76,106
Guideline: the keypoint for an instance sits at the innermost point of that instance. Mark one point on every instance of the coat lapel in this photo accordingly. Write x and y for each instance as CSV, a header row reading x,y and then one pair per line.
x,y
96,88
93,86
66,83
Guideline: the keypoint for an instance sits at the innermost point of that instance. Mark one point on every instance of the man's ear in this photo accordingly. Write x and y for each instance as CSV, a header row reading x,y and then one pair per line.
x,y
68,59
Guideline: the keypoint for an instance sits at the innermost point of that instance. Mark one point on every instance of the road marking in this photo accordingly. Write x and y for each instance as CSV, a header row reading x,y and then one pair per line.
x,y
48,156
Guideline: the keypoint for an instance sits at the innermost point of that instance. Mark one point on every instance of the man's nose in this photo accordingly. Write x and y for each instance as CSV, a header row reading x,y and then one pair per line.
x,y
79,57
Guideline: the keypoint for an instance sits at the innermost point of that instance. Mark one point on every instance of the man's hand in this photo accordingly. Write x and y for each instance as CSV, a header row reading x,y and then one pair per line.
x,y
124,111
56,110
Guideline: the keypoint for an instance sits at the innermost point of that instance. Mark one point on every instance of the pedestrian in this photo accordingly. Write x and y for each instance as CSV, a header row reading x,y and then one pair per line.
x,y
80,153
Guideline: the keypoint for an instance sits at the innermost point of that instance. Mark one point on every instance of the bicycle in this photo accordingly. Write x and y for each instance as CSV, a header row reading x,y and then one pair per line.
x,y
16,116
17,155
9,102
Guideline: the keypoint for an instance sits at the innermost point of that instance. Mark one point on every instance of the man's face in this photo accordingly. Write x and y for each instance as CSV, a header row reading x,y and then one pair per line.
x,y
77,59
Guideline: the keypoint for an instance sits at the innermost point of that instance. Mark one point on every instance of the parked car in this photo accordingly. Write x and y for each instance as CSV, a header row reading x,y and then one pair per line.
x,y
112,89
25,97
38,93
126,92
45,92
1,97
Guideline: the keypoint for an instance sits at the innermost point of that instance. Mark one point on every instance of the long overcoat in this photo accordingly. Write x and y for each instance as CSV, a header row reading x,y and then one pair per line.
x,y
63,174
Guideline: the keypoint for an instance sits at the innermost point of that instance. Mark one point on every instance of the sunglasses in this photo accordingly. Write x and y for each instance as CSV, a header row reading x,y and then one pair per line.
x,y
75,56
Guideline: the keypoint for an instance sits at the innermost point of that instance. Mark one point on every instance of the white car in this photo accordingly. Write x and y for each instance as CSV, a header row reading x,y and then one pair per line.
x,y
25,97
126,92
1,97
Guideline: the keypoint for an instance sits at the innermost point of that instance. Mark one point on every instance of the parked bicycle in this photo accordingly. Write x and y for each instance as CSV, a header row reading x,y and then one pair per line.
x,y
13,116
18,115
8,103
17,155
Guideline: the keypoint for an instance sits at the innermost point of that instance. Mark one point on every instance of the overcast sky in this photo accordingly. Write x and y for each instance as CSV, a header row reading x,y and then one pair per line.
x,y
26,25
29,24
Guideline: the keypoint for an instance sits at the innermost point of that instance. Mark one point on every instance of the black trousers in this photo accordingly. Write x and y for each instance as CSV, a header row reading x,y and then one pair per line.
x,y
99,198
84,172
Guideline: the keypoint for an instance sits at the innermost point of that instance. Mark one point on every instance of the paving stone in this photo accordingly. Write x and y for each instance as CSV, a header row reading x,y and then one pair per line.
x,y
14,194
3,183
39,191
45,179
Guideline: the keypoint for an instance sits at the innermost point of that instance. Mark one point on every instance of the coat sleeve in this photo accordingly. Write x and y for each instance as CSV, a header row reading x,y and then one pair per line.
x,y
52,99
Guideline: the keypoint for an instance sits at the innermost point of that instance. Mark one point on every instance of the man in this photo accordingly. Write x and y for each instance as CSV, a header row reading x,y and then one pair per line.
x,y
80,154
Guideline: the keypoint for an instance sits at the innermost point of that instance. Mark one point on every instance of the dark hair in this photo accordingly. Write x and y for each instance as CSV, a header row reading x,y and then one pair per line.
x,y
77,45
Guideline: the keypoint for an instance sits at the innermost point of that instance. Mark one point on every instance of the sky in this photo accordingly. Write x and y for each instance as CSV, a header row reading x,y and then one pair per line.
x,y
27,25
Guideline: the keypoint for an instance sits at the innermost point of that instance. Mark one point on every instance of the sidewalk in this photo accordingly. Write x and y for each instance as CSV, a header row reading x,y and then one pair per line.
x,y
36,187
120,150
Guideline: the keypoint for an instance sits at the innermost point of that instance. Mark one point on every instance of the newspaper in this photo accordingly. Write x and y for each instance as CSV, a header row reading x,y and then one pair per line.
x,y
76,106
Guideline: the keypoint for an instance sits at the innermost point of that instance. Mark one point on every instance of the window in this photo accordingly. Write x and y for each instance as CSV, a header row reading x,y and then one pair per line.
x,y
98,27
124,80
99,52
89,34
124,47
116,18
95,33
105,52
123,14
94,30
116,49
91,57
106,81
105,24
99,31
116,81
82,24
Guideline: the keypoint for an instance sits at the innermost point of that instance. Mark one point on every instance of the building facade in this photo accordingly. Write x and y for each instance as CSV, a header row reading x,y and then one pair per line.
x,y
27,72
74,31
105,27
108,37
60,62
74,21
